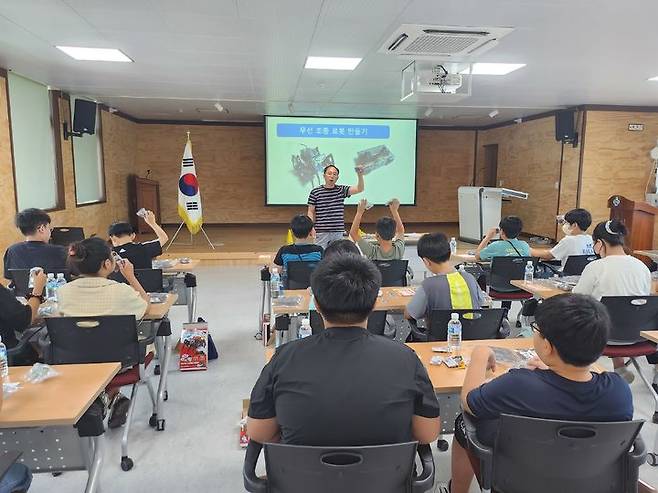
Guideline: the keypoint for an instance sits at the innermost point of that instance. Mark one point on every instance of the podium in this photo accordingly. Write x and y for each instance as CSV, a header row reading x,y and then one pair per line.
x,y
638,217
480,210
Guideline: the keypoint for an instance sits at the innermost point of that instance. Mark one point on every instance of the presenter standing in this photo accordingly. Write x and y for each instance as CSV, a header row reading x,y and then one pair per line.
x,y
326,205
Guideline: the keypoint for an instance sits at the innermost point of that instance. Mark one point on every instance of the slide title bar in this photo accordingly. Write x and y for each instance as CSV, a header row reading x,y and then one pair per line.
x,y
316,130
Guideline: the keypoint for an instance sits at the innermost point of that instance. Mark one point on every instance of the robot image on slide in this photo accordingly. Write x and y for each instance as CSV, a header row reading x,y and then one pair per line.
x,y
309,164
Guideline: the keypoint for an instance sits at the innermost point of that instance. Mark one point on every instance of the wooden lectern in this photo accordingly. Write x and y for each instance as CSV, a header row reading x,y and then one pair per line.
x,y
638,217
143,193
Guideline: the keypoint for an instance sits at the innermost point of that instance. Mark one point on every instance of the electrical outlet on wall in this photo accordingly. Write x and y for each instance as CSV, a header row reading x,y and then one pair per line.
x,y
635,127
500,183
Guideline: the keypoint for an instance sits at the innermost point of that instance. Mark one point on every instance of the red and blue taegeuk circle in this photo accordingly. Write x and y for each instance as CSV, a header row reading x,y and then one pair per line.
x,y
188,184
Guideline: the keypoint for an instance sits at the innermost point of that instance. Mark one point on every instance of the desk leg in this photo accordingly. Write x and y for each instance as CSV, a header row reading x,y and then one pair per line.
x,y
93,481
162,385
191,304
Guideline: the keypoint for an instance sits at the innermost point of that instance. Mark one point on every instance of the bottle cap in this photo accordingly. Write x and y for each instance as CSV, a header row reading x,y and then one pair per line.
x,y
306,321
454,316
529,262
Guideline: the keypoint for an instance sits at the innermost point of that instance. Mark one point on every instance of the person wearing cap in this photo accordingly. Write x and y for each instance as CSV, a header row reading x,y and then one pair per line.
x,y
141,255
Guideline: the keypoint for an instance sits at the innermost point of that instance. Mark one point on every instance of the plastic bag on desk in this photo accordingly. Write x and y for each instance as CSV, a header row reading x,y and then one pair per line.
x,y
9,388
40,372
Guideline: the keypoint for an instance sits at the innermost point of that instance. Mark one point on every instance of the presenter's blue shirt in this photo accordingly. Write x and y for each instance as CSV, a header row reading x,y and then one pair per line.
x,y
505,248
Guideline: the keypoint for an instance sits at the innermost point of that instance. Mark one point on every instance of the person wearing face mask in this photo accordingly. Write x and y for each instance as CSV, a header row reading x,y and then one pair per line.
x,y
576,240
326,205
614,274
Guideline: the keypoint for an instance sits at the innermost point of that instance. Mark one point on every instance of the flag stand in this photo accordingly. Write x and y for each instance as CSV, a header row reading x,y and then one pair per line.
x,y
191,238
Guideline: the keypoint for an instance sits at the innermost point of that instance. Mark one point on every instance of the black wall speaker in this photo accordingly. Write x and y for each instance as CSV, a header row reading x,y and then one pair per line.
x,y
565,127
84,117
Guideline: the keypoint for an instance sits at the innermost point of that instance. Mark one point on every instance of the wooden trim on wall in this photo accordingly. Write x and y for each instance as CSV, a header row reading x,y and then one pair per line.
x,y
59,161
475,157
121,114
5,75
612,107
201,123
581,157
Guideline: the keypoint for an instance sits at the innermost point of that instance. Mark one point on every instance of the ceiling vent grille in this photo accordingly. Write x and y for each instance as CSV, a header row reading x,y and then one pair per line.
x,y
412,40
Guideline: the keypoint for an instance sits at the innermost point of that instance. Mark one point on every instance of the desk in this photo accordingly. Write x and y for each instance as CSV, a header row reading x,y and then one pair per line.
x,y
40,417
182,267
543,288
650,335
652,254
157,311
174,276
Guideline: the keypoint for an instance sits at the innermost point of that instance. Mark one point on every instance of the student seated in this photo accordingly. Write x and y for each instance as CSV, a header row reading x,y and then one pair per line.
x,y
389,235
380,392
576,241
509,245
614,274
341,247
569,335
35,251
447,289
141,255
304,248
92,294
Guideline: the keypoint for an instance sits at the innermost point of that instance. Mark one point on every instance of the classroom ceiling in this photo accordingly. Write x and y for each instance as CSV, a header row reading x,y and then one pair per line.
x,y
250,55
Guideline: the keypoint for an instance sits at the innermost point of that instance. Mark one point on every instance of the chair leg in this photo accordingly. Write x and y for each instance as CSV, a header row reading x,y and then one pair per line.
x,y
650,387
127,462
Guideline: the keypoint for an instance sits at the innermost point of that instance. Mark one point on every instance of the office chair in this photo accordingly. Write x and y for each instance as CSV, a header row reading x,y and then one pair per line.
x,y
630,315
543,455
101,340
376,322
152,280
504,270
476,324
299,274
575,264
394,272
64,236
373,469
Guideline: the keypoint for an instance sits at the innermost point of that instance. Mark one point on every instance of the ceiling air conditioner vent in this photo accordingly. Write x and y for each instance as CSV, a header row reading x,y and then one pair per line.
x,y
412,40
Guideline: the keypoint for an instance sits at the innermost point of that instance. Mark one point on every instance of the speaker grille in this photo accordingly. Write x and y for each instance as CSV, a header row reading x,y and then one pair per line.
x,y
441,44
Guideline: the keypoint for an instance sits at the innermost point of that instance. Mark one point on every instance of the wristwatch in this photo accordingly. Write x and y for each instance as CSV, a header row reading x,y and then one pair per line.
x,y
38,296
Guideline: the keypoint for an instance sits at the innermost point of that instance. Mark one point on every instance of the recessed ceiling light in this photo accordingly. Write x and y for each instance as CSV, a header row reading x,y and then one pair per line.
x,y
493,114
492,68
219,107
654,79
95,54
332,63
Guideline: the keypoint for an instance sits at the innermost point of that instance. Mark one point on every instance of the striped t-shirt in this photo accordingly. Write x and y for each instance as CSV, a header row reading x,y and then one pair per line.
x,y
329,207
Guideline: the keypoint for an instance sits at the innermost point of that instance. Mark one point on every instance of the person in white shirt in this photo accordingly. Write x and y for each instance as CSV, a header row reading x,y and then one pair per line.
x,y
614,274
576,241
93,294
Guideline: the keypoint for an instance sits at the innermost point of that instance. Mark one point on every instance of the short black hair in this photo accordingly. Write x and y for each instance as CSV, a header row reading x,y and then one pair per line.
x,y
386,228
581,217
119,229
340,247
345,288
301,226
330,166
511,226
612,232
87,256
29,220
577,326
434,247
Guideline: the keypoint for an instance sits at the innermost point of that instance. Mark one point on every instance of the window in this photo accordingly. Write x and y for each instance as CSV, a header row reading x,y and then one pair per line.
x,y
36,168
88,164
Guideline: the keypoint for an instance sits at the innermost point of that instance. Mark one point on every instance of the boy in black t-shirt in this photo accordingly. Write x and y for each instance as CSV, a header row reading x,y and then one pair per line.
x,y
141,255
304,248
570,333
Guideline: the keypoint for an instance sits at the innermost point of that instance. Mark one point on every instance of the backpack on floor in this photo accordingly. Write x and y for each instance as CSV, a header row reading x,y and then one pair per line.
x,y
212,349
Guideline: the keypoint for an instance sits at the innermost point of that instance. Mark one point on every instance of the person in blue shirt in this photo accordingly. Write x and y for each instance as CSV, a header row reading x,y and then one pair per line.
x,y
304,248
569,335
508,246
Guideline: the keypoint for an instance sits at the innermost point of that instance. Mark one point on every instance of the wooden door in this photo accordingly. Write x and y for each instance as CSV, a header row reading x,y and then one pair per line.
x,y
144,193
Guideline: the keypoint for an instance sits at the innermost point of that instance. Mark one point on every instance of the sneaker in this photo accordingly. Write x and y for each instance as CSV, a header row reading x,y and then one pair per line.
x,y
626,374
119,413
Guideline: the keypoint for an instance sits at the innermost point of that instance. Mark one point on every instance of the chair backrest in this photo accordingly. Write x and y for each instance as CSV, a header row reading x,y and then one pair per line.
x,y
376,322
150,279
506,269
476,324
394,272
575,264
380,469
21,279
299,274
66,235
94,340
630,315
542,456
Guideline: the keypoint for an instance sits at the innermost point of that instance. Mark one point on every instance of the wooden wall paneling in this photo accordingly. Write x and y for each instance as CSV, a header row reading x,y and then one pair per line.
x,y
8,233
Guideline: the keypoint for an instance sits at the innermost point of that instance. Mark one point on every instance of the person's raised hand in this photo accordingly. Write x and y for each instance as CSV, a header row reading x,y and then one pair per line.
x,y
361,207
149,218
482,352
491,232
40,280
394,204
126,268
360,170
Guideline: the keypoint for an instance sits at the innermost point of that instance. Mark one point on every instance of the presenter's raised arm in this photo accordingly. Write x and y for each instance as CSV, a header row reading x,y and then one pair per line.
x,y
359,187
311,212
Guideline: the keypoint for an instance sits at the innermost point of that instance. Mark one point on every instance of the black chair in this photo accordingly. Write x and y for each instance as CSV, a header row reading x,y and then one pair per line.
x,y
394,272
575,264
373,469
299,274
504,270
21,279
102,340
376,322
476,324
150,279
630,315
64,236
542,456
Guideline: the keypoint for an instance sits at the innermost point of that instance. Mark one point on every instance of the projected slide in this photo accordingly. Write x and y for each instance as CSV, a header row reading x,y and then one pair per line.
x,y
298,149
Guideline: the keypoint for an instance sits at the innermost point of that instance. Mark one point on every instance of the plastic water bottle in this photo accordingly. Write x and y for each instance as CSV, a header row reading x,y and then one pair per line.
x,y
454,333
275,283
61,281
305,329
453,245
284,278
4,363
462,268
529,272
51,287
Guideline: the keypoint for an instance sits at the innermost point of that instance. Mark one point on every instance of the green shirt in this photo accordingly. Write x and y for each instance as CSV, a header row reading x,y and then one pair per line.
x,y
374,252
505,248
